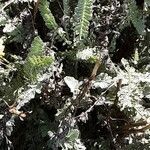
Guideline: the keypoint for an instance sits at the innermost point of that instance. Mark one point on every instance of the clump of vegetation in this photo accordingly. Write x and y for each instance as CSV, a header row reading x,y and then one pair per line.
x,y
72,66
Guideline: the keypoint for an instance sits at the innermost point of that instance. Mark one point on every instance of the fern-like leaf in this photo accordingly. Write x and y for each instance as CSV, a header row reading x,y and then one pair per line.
x,y
83,13
47,14
36,61
66,7
135,16
36,47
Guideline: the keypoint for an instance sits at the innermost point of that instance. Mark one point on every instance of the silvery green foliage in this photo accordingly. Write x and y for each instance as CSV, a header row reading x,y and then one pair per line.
x,y
65,136
9,126
15,33
103,81
3,18
13,28
50,21
134,87
11,25
132,91
5,134
66,8
47,15
135,16
82,16
73,141
105,16
27,93
72,83
102,84
135,84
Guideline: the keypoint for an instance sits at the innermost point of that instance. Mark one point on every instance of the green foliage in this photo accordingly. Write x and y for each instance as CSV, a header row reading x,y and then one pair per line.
x,y
66,7
63,99
73,135
131,93
47,15
72,141
136,17
17,35
82,16
37,47
3,18
36,60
